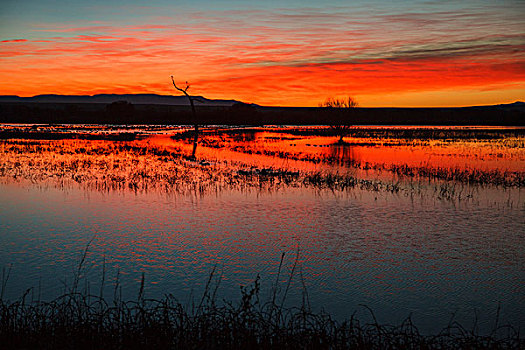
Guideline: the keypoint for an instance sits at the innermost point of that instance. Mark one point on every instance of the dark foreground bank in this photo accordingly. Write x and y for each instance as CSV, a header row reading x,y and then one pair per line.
x,y
82,321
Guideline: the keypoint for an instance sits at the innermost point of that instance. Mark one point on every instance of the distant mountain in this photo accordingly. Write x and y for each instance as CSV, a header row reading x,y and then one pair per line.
x,y
154,99
518,105
151,99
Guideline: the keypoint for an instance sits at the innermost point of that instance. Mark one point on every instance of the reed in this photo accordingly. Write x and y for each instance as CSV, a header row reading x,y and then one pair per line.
x,y
110,166
106,166
443,133
494,177
79,320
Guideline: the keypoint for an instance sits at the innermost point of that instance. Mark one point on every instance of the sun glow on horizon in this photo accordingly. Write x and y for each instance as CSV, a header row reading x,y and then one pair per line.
x,y
384,55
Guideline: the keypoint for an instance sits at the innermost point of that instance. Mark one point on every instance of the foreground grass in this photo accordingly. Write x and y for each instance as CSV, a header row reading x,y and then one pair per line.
x,y
82,321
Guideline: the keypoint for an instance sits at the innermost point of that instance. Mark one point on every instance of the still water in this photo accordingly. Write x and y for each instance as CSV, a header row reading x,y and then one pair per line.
x,y
398,253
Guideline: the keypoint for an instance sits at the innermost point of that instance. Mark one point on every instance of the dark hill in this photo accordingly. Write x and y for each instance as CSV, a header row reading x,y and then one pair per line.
x,y
149,99
157,109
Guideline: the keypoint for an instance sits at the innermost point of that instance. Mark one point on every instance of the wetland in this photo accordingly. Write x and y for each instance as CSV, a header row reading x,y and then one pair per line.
x,y
426,222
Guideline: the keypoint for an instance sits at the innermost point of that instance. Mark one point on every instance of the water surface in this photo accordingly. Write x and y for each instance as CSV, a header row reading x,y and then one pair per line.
x,y
400,253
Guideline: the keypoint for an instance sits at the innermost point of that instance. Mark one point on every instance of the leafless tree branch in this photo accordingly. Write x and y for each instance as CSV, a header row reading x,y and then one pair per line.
x,y
193,111
343,105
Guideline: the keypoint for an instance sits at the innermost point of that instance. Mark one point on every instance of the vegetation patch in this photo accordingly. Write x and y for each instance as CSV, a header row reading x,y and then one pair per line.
x,y
79,320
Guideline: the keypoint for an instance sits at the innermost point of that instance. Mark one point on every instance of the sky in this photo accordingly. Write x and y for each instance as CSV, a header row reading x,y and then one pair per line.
x,y
287,53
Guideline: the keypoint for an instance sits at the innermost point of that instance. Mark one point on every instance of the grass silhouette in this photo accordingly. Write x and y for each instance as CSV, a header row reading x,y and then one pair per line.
x,y
82,320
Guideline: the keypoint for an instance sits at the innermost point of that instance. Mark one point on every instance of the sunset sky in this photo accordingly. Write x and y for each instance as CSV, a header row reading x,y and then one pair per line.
x,y
289,53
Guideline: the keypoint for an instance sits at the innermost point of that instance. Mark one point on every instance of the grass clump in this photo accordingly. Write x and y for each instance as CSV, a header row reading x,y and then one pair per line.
x,y
84,321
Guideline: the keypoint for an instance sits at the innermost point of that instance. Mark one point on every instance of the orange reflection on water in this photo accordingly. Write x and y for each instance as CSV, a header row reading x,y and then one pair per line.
x,y
155,161
486,155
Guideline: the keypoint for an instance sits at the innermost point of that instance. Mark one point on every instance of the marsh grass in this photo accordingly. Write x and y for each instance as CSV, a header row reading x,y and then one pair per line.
x,y
139,167
81,320
479,144
443,133
132,166
493,177
28,134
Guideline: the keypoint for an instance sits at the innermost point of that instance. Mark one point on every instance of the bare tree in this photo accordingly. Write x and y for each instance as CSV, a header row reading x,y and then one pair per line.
x,y
342,105
194,113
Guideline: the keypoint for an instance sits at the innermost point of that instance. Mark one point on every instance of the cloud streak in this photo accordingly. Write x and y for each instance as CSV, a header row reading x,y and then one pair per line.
x,y
306,54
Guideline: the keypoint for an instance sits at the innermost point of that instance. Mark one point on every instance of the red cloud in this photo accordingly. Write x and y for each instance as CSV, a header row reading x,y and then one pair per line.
x,y
273,58
14,41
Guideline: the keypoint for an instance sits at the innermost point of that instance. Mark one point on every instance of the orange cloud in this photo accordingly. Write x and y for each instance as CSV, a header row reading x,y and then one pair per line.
x,y
274,58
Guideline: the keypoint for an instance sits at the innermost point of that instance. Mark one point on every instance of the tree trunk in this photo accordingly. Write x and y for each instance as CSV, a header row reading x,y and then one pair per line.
x,y
194,114
195,140
196,130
